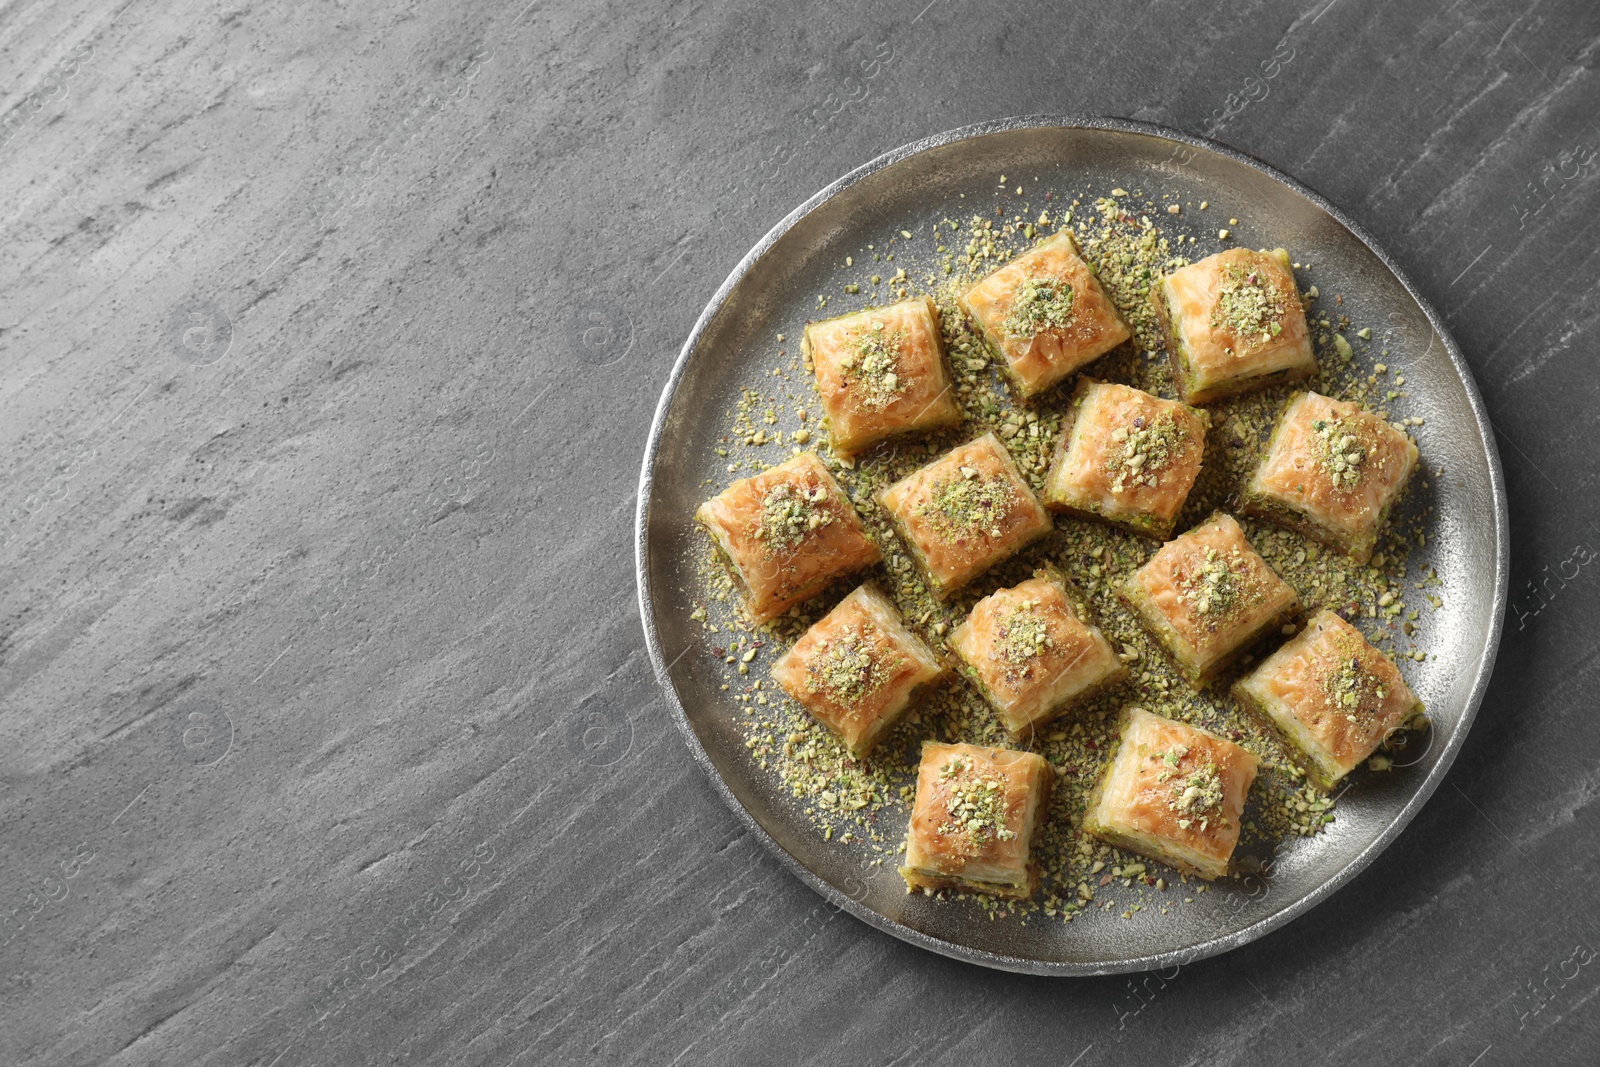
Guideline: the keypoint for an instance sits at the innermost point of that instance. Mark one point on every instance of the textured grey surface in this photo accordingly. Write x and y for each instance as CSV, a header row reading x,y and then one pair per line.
x,y
330,336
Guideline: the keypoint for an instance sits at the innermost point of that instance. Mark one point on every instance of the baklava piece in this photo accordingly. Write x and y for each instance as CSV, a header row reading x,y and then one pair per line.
x,y
1331,695
1032,655
880,373
1234,322
1332,472
974,819
1045,315
858,669
1207,597
965,512
1126,457
786,534
1172,792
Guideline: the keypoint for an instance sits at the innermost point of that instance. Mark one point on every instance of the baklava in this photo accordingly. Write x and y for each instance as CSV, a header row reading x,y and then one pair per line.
x,y
965,512
858,669
1173,792
1332,697
786,534
1332,472
973,822
1234,322
1032,655
1207,596
1126,457
1044,315
880,373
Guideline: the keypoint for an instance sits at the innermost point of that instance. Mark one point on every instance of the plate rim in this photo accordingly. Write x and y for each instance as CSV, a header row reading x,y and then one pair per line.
x,y
956,950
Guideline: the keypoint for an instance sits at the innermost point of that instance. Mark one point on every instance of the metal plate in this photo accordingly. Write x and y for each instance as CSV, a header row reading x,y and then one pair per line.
x,y
774,289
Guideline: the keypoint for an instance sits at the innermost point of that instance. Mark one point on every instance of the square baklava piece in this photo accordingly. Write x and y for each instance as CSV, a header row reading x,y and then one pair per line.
x,y
1172,792
786,534
880,373
1331,695
858,669
974,819
1332,472
1032,655
1045,315
1207,596
1234,322
1126,457
964,512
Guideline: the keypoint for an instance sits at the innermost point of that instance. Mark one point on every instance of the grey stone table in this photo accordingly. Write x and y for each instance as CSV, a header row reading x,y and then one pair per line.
x,y
330,334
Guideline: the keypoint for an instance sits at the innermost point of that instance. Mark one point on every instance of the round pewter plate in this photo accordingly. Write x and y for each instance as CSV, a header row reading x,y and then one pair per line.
x,y
774,290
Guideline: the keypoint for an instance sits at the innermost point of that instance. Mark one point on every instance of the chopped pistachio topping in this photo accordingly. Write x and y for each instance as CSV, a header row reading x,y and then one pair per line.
x,y
950,770
1340,452
789,512
1248,306
873,367
1197,795
1171,757
1040,304
968,503
1212,588
1022,634
976,805
1147,447
1351,688
845,668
